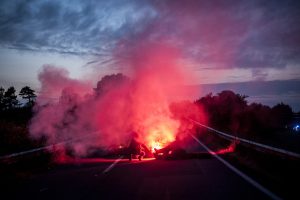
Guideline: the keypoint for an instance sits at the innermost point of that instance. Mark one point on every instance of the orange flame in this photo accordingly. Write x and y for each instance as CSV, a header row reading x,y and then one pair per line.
x,y
160,136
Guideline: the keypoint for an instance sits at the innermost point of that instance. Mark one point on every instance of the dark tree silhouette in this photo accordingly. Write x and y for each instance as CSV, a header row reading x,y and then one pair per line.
x,y
224,108
230,112
10,98
282,114
110,82
255,119
1,98
28,94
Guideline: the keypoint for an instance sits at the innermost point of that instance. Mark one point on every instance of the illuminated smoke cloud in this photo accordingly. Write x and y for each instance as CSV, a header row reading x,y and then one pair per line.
x,y
117,107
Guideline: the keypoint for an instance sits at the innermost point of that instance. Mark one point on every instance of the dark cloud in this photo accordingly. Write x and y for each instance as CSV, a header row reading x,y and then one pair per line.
x,y
273,38
80,27
233,33
247,34
258,74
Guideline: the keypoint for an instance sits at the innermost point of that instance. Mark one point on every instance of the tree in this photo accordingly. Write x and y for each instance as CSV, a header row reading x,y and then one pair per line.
x,y
10,98
1,98
27,93
110,82
282,115
224,108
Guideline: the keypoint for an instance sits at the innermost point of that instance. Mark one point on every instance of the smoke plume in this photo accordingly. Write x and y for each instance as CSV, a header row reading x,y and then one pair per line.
x,y
71,110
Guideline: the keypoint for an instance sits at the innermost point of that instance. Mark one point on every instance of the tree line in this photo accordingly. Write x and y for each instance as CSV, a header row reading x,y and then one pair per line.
x,y
15,115
9,99
231,112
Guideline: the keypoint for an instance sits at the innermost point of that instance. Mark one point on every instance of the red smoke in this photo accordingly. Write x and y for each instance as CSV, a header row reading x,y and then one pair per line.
x,y
141,104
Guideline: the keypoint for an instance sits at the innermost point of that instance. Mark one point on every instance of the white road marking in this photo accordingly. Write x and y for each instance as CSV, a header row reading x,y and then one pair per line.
x,y
241,174
112,165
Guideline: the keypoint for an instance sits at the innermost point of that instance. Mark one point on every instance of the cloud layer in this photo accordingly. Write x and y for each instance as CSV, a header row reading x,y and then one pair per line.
x,y
247,34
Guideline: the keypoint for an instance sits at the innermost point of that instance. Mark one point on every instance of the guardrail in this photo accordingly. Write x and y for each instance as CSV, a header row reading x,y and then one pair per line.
x,y
49,148
249,142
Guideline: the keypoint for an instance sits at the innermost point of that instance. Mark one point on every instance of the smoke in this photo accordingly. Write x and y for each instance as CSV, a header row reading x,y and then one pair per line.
x,y
110,114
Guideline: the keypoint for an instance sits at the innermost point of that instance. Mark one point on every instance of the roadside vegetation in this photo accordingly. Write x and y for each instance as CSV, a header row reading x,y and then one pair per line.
x,y
14,120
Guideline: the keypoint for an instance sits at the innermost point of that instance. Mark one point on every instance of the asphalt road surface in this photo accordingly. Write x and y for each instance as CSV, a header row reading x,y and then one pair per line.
x,y
97,178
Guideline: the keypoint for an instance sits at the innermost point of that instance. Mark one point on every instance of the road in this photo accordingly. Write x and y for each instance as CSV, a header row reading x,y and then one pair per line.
x,y
97,178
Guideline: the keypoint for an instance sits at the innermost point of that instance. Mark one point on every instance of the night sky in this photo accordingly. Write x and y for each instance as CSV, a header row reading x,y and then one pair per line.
x,y
252,47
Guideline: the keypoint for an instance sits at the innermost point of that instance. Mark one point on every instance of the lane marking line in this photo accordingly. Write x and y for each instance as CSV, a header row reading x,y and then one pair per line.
x,y
112,165
238,172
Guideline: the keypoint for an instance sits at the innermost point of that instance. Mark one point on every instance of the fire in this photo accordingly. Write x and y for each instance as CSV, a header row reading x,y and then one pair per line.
x,y
160,136
155,145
